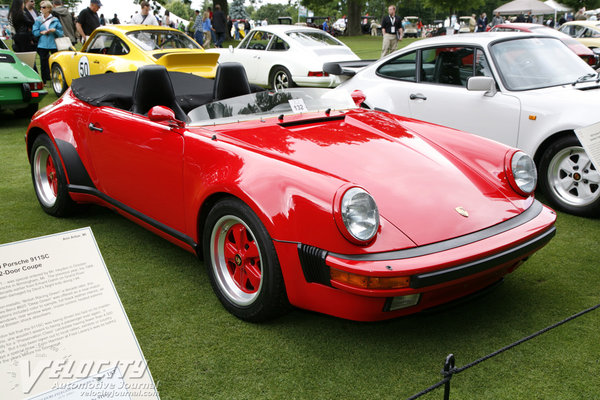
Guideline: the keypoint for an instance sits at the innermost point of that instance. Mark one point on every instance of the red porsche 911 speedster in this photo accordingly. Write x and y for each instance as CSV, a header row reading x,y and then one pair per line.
x,y
294,197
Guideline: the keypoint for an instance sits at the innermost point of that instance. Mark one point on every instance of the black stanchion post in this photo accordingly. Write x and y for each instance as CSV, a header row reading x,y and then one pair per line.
x,y
447,372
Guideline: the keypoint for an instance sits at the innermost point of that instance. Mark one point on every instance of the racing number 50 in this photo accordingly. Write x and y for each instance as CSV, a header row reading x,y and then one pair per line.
x,y
84,66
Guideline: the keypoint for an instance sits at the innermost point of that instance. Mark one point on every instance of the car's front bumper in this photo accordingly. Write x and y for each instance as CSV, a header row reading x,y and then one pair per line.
x,y
438,273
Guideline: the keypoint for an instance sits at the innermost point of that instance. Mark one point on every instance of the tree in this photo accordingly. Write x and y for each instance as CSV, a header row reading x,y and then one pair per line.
x,y
272,11
180,9
577,4
454,6
351,8
237,10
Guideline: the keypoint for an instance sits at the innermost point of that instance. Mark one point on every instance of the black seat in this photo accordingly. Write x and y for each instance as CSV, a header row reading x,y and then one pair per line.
x,y
153,87
231,81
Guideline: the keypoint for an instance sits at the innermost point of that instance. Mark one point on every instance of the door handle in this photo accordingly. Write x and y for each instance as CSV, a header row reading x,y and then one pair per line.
x,y
417,96
96,62
94,127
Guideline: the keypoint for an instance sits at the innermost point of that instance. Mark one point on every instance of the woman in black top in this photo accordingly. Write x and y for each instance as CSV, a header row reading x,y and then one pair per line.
x,y
23,38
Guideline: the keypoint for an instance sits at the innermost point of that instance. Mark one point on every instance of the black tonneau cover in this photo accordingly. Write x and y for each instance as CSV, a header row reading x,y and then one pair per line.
x,y
116,89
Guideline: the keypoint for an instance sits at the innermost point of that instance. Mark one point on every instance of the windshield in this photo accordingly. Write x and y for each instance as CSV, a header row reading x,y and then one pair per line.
x,y
536,63
155,40
269,104
310,38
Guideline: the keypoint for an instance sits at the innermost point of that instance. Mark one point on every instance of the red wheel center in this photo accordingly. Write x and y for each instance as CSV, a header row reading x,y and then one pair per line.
x,y
51,175
243,259
576,176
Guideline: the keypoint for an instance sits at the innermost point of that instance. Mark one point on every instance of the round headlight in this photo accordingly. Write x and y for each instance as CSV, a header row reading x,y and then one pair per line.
x,y
360,214
524,173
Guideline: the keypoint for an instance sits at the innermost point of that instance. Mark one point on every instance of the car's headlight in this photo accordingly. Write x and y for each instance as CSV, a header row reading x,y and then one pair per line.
x,y
359,215
522,173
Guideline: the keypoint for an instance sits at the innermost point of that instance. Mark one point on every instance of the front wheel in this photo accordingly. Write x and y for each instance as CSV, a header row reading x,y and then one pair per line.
x,y
242,263
49,179
281,78
569,179
59,83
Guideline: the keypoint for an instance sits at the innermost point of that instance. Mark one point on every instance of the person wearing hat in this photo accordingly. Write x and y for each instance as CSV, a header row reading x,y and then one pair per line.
x,y
88,20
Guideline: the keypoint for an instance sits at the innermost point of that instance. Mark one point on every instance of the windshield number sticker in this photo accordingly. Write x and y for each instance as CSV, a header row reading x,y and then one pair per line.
x,y
84,66
298,106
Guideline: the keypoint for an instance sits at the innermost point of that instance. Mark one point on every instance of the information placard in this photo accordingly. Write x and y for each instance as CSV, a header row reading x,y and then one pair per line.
x,y
589,137
63,331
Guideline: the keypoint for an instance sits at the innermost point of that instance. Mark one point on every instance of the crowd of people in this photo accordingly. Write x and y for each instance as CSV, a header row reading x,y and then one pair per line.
x,y
37,30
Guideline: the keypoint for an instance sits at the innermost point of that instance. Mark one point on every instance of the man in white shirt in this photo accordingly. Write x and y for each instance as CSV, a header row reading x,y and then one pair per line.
x,y
144,17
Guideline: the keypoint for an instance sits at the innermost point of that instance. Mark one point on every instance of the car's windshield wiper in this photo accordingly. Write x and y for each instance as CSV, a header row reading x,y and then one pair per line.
x,y
585,77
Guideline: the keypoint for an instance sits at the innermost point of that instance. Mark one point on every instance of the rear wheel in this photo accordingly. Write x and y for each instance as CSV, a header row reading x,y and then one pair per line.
x,y
281,78
59,83
569,179
49,179
242,263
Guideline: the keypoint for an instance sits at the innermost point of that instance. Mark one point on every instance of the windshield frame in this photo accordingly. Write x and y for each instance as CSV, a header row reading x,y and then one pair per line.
x,y
314,99
297,36
499,63
131,37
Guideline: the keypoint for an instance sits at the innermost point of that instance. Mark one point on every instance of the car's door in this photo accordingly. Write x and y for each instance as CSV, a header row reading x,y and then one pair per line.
x,y
103,48
252,56
138,163
434,83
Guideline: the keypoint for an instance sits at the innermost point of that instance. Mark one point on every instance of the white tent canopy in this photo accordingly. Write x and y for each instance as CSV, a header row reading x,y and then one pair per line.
x,y
523,6
557,7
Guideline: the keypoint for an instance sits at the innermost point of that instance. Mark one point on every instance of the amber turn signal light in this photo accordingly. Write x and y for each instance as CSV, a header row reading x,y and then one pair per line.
x,y
369,282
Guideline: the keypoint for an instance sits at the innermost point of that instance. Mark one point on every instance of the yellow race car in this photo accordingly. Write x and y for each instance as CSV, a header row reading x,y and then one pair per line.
x,y
121,48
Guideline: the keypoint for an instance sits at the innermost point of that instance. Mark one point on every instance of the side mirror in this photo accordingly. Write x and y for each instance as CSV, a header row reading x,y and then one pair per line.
x,y
485,84
164,114
230,48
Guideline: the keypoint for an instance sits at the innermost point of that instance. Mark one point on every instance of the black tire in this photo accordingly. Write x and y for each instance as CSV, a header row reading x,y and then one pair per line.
x,y
59,83
49,180
281,78
242,263
568,179
27,112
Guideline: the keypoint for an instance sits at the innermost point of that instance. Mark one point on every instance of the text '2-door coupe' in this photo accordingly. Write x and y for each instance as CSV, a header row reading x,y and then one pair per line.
x,y
293,197
122,48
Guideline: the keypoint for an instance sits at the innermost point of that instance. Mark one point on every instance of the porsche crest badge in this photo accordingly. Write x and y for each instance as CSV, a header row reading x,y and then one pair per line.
x,y
462,212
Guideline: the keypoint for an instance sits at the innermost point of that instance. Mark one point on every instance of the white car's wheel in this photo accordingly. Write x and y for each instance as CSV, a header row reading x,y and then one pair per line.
x,y
281,78
569,179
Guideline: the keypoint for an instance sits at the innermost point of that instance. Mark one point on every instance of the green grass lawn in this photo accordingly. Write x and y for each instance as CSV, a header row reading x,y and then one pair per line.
x,y
197,350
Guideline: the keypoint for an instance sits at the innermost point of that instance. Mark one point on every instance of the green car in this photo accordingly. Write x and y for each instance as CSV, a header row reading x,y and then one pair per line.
x,y
21,88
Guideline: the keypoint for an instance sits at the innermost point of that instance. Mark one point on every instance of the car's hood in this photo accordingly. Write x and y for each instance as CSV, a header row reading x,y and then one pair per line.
x,y
585,93
13,70
417,186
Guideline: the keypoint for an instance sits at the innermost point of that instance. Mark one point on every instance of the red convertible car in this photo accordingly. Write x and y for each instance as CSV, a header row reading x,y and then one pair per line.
x,y
293,197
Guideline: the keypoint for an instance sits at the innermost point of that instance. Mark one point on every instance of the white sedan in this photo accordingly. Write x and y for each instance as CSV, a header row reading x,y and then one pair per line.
x,y
523,90
281,56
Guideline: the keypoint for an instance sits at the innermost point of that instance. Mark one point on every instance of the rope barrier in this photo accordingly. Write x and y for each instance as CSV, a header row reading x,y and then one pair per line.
x,y
450,370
